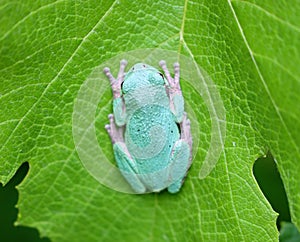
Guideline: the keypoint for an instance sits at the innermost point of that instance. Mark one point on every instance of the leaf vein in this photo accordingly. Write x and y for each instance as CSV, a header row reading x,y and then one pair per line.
x,y
58,74
27,16
262,78
272,15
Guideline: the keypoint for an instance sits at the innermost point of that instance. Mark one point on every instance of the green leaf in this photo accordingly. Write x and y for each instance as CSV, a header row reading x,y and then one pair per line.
x,y
249,49
289,233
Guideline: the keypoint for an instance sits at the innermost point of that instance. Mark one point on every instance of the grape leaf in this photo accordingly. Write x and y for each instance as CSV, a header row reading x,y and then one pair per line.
x,y
250,49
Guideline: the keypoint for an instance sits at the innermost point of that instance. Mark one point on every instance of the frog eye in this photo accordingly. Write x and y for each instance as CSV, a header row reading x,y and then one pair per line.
x,y
122,85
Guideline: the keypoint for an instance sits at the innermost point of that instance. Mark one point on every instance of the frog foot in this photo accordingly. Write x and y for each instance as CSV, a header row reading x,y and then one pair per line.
x,y
173,82
185,131
116,133
116,83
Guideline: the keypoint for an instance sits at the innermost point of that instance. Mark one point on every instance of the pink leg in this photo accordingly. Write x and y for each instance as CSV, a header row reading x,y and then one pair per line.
x,y
116,133
174,91
173,82
116,83
185,127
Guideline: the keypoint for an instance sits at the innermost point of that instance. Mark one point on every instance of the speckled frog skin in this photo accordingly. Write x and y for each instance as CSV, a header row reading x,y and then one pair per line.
x,y
149,129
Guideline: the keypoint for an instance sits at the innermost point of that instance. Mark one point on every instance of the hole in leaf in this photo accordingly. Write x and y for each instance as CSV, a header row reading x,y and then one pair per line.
x,y
270,183
9,212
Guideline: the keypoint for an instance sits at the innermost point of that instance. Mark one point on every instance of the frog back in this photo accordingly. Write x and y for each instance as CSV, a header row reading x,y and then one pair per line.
x,y
151,132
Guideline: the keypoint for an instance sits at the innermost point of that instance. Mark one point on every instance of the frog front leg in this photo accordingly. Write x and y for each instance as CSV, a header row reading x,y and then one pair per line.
x,y
174,91
123,158
118,102
181,156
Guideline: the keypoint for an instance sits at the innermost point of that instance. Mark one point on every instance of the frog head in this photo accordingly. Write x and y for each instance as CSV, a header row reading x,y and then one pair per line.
x,y
142,76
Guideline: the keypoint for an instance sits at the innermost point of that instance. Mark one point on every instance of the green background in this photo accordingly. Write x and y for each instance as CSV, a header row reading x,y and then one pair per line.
x,y
250,49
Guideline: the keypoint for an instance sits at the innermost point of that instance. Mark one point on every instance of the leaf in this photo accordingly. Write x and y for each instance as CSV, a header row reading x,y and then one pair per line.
x,y
250,49
289,232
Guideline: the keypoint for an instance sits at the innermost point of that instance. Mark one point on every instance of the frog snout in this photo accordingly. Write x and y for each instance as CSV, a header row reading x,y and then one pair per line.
x,y
139,66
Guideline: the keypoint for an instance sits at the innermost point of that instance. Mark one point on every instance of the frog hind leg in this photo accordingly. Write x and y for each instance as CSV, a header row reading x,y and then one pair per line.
x,y
128,167
179,164
123,158
181,157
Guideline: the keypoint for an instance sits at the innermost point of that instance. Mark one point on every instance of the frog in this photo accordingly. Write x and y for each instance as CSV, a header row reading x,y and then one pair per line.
x,y
149,128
